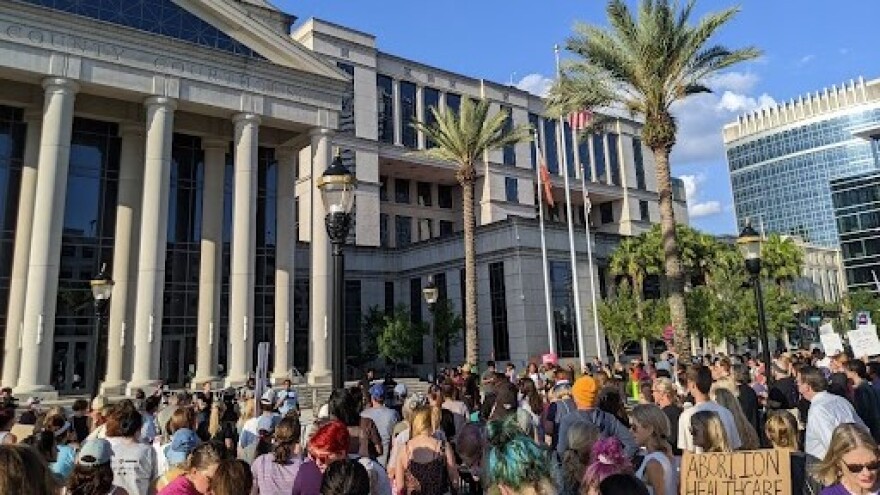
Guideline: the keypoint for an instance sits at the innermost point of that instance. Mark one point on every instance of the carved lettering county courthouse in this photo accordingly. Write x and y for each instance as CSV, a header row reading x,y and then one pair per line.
x,y
176,141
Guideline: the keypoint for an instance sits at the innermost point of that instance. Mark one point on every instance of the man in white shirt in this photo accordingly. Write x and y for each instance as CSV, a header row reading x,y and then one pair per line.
x,y
827,411
699,382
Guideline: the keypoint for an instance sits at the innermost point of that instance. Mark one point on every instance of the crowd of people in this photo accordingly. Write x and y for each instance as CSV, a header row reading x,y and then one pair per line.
x,y
547,430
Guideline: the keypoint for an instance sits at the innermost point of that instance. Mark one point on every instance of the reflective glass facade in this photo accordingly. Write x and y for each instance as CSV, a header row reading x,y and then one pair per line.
x,y
385,108
430,99
12,137
856,202
346,114
563,308
782,179
160,17
408,134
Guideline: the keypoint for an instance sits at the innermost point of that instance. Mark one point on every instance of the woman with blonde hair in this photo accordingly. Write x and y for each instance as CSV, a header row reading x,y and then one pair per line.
x,y
708,432
782,432
650,427
221,431
851,464
426,465
747,434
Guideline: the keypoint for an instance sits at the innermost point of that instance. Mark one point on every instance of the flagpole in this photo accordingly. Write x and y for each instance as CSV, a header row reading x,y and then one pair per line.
x,y
563,158
587,207
548,301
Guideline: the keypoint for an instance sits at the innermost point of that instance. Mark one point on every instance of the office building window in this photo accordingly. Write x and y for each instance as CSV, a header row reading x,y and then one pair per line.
x,y
430,99
509,151
385,107
569,140
599,157
603,286
383,229
453,102
511,189
442,295
415,313
389,298
562,297
639,162
423,191
498,298
346,114
407,114
403,230
644,212
446,228
383,188
444,196
425,228
535,122
606,213
550,147
12,140
583,148
401,191
353,318
614,159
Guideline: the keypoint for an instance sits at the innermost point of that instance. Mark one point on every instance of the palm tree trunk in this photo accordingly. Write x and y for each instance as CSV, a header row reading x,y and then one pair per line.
x,y
674,274
638,289
472,344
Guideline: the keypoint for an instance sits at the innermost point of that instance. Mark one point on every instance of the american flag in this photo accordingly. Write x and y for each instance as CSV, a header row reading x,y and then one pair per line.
x,y
545,180
580,120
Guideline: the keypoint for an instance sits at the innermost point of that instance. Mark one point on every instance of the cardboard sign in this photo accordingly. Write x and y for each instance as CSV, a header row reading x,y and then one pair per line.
x,y
831,343
864,341
753,472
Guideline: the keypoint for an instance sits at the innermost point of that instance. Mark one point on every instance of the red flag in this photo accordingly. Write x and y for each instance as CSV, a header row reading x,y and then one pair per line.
x,y
545,180
580,120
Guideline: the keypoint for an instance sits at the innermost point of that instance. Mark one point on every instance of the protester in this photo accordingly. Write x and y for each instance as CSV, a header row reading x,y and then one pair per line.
x,y
200,469
699,384
561,405
175,454
455,406
666,398
576,458
827,411
617,484
584,393
275,472
178,400
607,458
233,477
134,464
516,464
747,397
708,432
851,463
650,428
287,399
421,465
221,431
782,433
747,434
93,474
183,418
24,471
533,404
471,447
79,420
329,443
7,419
363,435
445,421
65,457
865,398
346,477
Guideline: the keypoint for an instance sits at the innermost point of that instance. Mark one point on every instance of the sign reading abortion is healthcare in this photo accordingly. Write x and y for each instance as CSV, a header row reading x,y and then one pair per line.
x,y
751,472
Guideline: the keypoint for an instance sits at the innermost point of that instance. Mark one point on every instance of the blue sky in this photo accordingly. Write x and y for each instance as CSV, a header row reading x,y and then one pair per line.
x,y
807,44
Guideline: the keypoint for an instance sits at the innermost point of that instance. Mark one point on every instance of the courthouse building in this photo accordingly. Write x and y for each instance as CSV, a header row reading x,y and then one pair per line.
x,y
176,141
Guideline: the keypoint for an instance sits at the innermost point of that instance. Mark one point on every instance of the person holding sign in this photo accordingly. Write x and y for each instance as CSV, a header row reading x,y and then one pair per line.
x,y
865,398
650,426
852,462
708,432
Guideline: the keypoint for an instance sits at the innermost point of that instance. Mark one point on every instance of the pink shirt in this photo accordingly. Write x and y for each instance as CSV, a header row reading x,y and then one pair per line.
x,y
180,486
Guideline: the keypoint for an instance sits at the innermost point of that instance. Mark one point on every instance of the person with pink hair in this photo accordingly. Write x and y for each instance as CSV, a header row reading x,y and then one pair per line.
x,y
607,458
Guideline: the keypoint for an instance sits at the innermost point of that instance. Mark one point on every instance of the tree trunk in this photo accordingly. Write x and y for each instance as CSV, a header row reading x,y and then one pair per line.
x,y
472,344
638,289
674,273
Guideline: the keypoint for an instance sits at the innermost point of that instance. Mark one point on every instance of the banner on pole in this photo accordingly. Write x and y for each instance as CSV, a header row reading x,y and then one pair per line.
x,y
756,472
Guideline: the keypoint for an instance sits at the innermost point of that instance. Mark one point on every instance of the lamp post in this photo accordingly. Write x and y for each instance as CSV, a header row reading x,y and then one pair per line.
x,y
431,293
102,289
750,245
337,187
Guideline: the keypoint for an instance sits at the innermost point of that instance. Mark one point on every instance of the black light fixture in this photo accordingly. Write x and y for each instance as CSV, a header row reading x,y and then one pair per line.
x,y
749,243
102,289
337,186
431,294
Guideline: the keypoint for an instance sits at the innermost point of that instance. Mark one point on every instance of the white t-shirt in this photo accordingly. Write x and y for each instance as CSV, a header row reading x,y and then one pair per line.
x,y
686,440
134,465
670,477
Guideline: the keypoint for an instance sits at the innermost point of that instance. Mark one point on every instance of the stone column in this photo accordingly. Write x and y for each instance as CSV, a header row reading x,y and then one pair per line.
x,y
154,235
241,279
319,279
18,280
125,249
48,221
285,249
211,257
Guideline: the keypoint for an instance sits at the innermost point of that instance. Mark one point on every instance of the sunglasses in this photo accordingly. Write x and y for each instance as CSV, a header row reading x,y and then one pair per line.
x,y
858,468
320,457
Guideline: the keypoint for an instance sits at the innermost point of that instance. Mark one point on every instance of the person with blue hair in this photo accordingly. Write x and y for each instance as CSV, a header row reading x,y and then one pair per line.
x,y
515,464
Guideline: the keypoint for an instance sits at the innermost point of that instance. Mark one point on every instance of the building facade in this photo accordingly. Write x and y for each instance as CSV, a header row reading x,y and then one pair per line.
x,y
857,209
781,159
177,142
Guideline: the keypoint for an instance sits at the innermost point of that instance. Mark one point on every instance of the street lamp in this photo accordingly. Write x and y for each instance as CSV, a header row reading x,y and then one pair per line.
x,y
431,293
337,187
102,289
750,245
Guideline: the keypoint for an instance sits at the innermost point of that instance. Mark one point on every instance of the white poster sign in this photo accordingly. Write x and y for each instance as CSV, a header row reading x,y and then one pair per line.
x,y
864,341
831,343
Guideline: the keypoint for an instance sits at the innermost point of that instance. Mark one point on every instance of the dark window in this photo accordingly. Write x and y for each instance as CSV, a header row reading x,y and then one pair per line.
x,y
346,115
603,287
446,228
511,189
599,155
300,337
639,163
614,159
535,122
498,297
389,298
401,191
644,213
385,107
509,151
678,192
562,296
383,229
12,140
160,17
583,148
383,188
442,295
423,190
550,146
415,312
430,99
407,114
569,149
403,228
444,196
606,213
453,102
353,319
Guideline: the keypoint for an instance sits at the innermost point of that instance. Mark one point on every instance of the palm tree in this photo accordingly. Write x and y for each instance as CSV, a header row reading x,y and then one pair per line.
x,y
464,138
644,63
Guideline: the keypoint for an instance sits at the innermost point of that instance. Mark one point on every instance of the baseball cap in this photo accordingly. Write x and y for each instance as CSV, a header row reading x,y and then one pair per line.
x,y
183,442
94,453
377,391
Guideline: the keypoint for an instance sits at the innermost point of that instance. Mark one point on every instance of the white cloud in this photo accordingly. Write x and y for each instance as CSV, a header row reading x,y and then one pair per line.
x,y
704,209
740,82
806,59
697,208
536,84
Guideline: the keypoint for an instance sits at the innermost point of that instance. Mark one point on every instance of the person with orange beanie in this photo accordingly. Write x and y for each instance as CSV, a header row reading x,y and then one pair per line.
x,y
584,391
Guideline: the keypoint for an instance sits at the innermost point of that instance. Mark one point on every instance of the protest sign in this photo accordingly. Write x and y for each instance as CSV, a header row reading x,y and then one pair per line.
x,y
549,358
753,472
864,341
831,343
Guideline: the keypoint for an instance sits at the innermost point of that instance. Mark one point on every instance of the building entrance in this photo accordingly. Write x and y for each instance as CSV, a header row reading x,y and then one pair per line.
x,y
73,361
177,364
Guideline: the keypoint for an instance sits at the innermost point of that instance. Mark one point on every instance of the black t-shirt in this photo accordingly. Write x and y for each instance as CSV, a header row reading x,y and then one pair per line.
x,y
673,412
783,394
838,384
748,400
81,427
227,431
